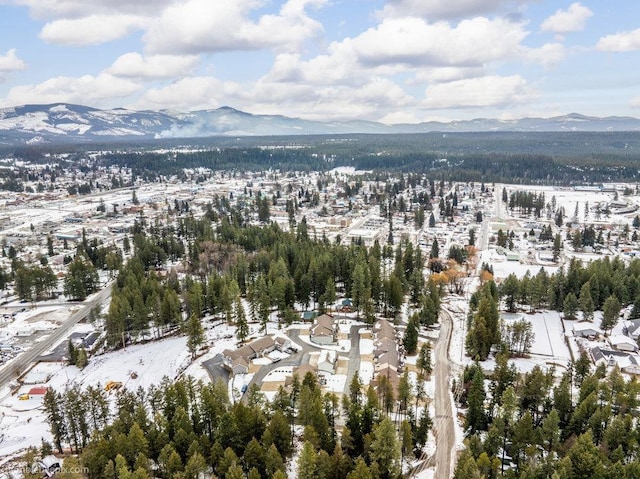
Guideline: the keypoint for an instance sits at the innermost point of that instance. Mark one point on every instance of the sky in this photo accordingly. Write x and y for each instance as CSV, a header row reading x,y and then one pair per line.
x,y
394,61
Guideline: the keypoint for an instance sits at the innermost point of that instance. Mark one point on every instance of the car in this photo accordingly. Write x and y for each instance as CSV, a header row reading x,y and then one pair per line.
x,y
24,397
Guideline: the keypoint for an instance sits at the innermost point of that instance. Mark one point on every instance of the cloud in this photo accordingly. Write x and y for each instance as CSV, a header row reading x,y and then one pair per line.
x,y
10,62
620,42
86,90
91,30
446,9
196,26
187,94
635,102
413,41
487,91
134,65
573,19
447,74
548,55
57,9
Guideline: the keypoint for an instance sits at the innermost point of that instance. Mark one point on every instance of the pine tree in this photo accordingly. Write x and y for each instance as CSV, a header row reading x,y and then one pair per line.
x,y
410,340
242,327
307,462
195,335
82,359
55,417
386,449
476,417
73,353
586,302
610,312
424,359
570,307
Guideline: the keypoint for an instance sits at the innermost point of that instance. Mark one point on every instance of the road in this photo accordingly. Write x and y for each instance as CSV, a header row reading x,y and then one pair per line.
x,y
302,357
443,420
354,358
295,359
16,366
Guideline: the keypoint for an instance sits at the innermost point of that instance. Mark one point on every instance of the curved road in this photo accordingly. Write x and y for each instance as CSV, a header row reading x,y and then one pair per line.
x,y
16,366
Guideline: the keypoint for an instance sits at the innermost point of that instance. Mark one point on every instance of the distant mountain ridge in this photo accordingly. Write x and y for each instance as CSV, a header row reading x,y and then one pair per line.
x,y
66,123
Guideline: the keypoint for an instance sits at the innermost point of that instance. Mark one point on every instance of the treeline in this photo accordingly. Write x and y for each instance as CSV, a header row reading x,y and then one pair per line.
x,y
528,426
590,285
606,284
185,429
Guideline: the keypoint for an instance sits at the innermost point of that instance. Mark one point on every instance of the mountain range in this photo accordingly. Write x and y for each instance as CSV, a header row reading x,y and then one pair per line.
x,y
67,123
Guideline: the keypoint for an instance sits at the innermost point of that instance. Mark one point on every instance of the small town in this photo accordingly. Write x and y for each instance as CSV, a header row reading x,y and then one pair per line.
x,y
407,332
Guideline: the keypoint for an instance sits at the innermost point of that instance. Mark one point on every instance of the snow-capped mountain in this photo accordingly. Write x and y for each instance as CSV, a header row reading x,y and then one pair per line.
x,y
75,123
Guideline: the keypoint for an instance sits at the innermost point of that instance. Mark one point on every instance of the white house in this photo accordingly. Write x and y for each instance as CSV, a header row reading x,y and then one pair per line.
x,y
586,330
327,361
623,343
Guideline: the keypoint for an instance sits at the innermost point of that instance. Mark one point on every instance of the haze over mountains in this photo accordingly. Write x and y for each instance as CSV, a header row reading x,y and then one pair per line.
x,y
65,123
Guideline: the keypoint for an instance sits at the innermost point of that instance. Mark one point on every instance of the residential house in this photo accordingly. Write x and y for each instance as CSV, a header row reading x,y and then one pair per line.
x,y
586,330
324,330
327,361
238,360
623,343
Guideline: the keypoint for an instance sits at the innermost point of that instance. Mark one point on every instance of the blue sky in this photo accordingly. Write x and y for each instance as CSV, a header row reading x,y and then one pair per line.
x,y
392,61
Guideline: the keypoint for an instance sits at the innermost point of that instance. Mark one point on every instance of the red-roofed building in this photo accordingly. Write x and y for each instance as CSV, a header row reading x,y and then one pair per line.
x,y
38,391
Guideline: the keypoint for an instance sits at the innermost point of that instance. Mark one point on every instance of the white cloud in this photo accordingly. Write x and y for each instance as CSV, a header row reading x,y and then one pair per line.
x,y
488,91
446,9
86,90
573,19
635,102
620,42
91,30
10,62
548,55
196,26
413,41
447,74
57,9
134,65
187,94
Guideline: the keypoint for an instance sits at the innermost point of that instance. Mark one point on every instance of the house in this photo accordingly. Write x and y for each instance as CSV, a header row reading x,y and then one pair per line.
x,y
50,464
586,330
383,329
309,316
38,391
237,360
324,330
623,343
327,362
388,360
383,346
632,329
282,343
611,358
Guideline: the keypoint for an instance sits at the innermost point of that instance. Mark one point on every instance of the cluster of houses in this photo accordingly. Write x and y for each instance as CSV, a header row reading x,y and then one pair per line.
x,y
386,353
238,360
621,350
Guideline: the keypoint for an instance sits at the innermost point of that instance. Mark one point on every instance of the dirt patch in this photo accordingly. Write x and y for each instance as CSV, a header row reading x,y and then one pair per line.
x,y
271,386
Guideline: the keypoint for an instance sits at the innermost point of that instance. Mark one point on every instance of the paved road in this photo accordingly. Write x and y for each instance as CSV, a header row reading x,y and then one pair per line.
x,y
443,421
354,357
216,370
17,365
295,359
